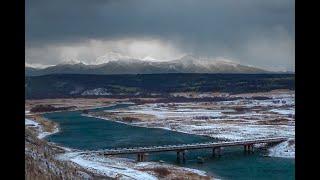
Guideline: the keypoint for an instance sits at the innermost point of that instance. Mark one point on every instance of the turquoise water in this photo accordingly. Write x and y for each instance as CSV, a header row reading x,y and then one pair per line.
x,y
87,133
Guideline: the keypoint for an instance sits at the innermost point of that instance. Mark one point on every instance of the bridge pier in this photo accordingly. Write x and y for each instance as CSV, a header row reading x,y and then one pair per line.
x,y
213,152
183,156
248,148
251,148
219,151
141,157
178,156
138,157
216,151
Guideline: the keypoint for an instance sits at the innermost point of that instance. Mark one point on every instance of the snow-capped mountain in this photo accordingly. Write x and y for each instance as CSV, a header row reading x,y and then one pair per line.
x,y
185,64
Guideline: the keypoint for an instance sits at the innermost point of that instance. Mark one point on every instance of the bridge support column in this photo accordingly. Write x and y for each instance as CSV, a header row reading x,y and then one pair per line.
x,y
251,148
213,152
246,148
219,151
183,157
141,157
216,151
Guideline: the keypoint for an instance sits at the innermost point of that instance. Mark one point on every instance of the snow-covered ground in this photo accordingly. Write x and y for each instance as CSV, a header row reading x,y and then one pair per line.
x,y
29,122
106,166
120,168
42,134
27,113
39,129
228,120
284,150
284,111
96,92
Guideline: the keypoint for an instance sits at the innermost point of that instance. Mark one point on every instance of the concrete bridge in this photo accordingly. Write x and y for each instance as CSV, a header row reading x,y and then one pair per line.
x,y
142,152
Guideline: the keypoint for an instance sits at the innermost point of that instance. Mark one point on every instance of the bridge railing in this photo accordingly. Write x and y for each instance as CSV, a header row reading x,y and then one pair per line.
x,y
192,145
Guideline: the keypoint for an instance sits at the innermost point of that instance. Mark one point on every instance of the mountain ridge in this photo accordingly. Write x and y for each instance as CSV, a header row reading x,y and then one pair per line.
x,y
186,64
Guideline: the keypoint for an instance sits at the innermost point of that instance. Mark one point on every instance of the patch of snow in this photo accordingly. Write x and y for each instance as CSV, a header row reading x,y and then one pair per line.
x,y
27,112
163,112
154,165
237,131
77,90
284,111
121,168
29,122
96,92
107,166
260,145
42,134
284,150
201,173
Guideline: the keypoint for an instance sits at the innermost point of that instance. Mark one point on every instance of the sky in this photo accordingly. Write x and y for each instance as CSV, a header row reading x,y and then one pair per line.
x,y
251,32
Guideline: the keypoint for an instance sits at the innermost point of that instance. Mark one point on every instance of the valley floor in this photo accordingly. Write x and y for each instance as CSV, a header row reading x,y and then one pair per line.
x,y
254,115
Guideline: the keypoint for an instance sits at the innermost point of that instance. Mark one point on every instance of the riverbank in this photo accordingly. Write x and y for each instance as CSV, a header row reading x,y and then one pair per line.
x,y
45,160
283,150
126,168
40,161
256,115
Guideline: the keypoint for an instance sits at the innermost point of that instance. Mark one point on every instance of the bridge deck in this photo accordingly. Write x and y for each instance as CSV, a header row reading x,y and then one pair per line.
x,y
181,147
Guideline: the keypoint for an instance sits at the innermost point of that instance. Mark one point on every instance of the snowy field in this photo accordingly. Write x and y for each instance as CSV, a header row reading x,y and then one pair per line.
x,y
246,118
122,168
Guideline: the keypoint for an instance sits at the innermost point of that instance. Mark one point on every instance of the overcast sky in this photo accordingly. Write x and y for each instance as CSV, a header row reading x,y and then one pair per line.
x,y
254,32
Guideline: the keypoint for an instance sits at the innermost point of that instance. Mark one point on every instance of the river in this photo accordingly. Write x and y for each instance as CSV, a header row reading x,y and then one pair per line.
x,y
87,133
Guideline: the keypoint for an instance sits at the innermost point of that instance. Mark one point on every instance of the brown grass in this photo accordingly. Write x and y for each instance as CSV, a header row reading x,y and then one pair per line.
x,y
47,125
161,171
277,121
40,163
291,142
175,174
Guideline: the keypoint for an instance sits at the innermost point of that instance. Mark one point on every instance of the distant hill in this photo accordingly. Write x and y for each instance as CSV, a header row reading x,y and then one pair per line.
x,y
186,64
146,85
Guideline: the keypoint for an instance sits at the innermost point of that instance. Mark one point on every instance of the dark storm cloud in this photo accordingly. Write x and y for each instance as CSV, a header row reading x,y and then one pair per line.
x,y
204,27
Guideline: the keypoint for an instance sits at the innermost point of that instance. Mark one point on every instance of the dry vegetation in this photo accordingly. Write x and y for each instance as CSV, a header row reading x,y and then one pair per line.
x,y
40,163
175,174
80,103
254,115
125,117
277,121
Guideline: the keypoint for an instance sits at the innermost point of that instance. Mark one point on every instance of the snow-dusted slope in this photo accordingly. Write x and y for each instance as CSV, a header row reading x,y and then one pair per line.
x,y
285,149
127,65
